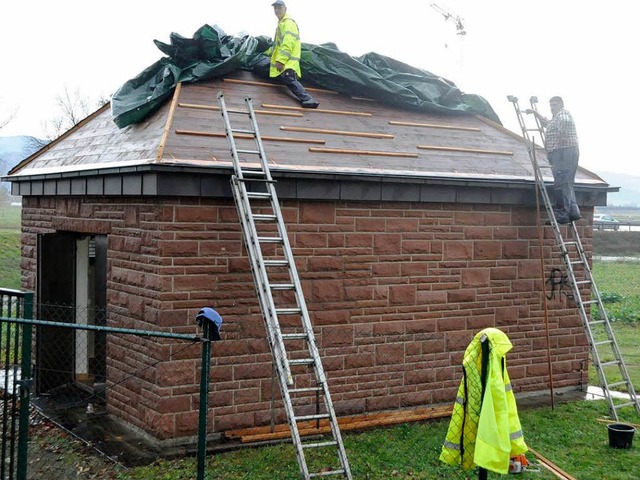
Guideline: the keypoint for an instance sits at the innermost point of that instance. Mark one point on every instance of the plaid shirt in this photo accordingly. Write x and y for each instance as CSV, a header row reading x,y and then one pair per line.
x,y
561,132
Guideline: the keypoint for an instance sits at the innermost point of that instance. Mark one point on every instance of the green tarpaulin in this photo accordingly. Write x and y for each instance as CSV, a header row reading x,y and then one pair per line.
x,y
211,53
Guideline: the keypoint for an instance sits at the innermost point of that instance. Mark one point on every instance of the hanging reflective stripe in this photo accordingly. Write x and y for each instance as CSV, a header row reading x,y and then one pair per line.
x,y
460,400
452,446
516,435
508,387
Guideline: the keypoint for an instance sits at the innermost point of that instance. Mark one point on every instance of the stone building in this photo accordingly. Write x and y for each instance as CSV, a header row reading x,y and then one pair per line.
x,y
411,232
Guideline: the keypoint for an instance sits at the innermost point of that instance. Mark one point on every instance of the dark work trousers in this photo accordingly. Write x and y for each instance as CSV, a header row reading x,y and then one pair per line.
x,y
564,164
289,78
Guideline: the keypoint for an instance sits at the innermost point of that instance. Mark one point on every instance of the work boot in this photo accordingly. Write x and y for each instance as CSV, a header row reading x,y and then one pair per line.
x,y
310,104
560,219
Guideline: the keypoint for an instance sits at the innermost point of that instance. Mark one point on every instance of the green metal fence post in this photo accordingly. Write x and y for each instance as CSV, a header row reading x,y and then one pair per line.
x,y
210,321
25,388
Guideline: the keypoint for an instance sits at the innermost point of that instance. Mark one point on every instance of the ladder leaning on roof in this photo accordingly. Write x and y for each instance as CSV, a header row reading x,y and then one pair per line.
x,y
602,341
302,380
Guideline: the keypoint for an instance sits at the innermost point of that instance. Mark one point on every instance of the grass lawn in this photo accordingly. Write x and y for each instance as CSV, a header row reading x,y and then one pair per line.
x,y
9,217
10,259
619,284
9,247
569,436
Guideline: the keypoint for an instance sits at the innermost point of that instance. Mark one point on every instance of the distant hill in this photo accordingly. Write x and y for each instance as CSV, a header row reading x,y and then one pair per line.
x,y
629,194
12,151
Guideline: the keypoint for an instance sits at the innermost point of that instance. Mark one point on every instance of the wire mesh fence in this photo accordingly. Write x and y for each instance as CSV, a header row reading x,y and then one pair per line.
x,y
91,381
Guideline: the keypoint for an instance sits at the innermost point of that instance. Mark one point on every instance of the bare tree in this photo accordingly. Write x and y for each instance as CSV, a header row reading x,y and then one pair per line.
x,y
6,119
73,107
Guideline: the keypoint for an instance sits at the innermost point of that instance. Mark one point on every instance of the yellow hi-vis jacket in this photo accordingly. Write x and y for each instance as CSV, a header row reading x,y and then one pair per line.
x,y
287,47
486,435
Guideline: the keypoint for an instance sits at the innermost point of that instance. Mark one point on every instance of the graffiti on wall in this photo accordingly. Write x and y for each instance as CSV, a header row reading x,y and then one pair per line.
x,y
558,284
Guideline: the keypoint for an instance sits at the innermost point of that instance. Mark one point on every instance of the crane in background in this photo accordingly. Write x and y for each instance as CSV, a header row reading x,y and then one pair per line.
x,y
451,16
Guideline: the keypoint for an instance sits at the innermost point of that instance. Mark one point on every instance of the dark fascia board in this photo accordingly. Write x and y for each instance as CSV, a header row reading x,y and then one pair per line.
x,y
159,180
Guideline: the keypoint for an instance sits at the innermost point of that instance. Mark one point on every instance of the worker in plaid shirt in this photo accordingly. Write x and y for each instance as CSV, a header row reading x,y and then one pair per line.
x,y
561,143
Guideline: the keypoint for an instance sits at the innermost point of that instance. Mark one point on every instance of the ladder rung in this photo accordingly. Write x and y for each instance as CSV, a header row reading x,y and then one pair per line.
x,y
248,152
583,282
317,416
241,130
596,322
590,302
288,311
276,263
255,180
622,405
616,384
283,286
326,474
261,217
294,336
307,389
301,361
608,364
238,112
319,444
576,262
571,243
258,194
603,342
270,239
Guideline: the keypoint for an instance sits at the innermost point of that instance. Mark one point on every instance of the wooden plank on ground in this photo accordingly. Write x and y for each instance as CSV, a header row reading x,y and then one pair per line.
x,y
606,420
557,471
250,137
356,422
362,152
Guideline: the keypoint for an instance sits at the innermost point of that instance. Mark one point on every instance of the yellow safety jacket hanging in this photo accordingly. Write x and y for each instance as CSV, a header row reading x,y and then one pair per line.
x,y
484,432
286,48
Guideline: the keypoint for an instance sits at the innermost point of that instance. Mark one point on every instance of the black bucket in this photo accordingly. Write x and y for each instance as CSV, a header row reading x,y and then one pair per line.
x,y
620,435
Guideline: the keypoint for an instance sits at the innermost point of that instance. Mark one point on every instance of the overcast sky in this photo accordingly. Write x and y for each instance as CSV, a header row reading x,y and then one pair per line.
x,y
584,51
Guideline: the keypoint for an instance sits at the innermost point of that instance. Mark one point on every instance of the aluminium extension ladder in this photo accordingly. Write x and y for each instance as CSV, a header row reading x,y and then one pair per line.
x,y
605,352
302,380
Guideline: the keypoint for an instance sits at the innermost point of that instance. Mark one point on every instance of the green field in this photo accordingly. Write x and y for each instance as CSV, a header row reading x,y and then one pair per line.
x,y
570,436
9,217
9,247
9,259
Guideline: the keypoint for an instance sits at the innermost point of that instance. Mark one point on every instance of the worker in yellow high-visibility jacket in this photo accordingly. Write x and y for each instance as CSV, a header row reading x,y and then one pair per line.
x,y
285,55
485,431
